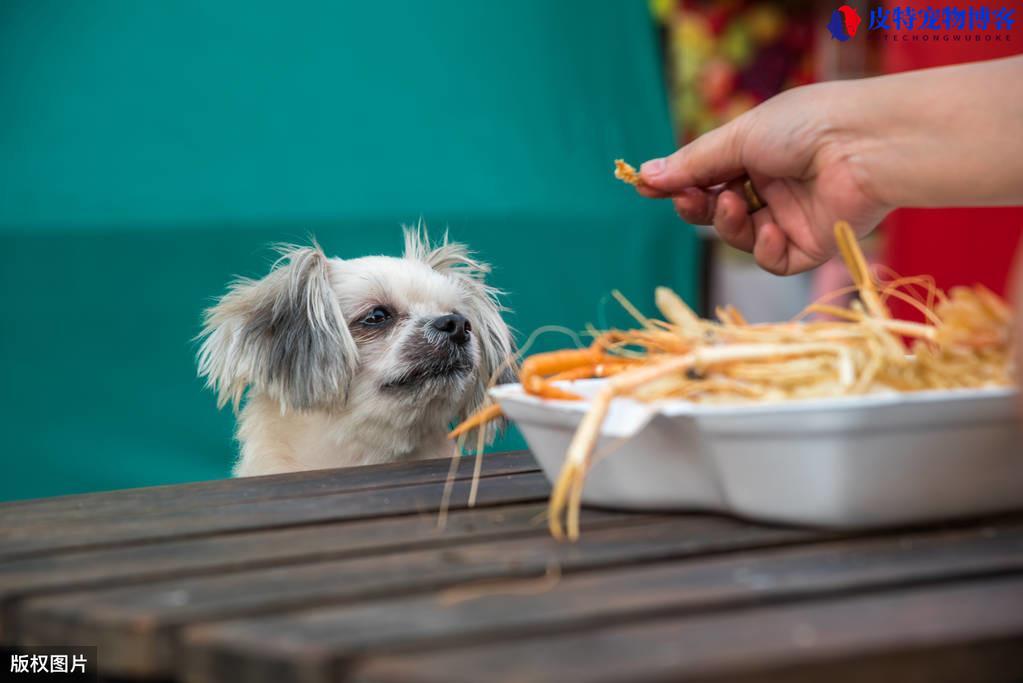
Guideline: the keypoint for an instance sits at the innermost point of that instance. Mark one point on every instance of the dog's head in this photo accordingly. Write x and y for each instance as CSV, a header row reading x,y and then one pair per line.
x,y
419,332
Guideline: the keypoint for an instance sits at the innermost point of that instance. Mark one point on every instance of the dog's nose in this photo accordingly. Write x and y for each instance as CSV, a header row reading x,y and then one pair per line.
x,y
455,326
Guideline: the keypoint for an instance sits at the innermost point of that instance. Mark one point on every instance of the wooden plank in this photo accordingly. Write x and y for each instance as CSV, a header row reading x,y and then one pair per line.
x,y
92,507
123,566
971,631
317,644
191,522
137,628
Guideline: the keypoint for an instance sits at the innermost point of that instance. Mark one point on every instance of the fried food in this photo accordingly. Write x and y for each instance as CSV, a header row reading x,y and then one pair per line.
x,y
965,343
627,173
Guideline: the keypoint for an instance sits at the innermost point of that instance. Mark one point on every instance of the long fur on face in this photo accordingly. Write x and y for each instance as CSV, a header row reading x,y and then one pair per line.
x,y
497,347
326,389
284,333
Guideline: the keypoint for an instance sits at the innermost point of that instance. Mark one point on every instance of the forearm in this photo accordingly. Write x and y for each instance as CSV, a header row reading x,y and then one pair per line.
x,y
951,136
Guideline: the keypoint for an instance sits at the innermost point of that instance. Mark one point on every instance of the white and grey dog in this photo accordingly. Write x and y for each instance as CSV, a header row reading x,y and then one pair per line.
x,y
350,362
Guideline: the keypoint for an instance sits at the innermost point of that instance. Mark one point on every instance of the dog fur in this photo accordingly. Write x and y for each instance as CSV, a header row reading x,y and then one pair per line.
x,y
326,386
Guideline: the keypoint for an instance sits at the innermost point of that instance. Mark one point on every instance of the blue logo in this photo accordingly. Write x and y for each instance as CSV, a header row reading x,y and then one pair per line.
x,y
930,23
949,18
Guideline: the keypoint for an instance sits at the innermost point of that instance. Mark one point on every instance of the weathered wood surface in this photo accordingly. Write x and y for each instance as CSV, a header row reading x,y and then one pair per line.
x,y
68,522
345,575
234,517
949,632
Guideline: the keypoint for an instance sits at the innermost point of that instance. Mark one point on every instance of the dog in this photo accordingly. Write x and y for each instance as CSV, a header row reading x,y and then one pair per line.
x,y
356,362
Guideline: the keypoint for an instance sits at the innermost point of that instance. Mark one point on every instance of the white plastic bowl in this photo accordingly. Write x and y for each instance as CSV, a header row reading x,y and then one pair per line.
x,y
845,462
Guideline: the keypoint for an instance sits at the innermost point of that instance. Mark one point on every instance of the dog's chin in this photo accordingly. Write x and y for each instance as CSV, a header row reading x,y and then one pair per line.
x,y
429,378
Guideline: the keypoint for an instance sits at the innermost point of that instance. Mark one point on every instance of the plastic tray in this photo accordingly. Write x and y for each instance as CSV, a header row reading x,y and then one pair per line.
x,y
874,460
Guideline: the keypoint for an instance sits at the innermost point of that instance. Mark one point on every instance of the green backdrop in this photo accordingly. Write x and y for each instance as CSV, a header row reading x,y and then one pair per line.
x,y
151,150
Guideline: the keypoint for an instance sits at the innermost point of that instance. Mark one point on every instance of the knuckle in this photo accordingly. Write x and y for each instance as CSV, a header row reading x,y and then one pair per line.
x,y
775,266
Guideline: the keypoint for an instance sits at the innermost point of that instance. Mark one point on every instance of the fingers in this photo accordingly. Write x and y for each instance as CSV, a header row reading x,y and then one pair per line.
x,y
775,252
712,158
650,193
771,248
758,234
696,206
704,181
699,206
731,221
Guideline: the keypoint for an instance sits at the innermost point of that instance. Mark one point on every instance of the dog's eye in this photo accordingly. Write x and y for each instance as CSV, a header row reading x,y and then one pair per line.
x,y
378,316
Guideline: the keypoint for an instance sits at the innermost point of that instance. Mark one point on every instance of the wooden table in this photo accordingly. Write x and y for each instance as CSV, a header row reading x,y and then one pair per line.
x,y
343,575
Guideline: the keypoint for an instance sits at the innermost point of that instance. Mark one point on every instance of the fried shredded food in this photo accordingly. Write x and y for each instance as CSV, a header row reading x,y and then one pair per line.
x,y
627,173
854,349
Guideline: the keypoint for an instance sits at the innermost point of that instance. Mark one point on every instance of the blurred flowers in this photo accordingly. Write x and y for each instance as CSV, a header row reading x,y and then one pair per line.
x,y
726,57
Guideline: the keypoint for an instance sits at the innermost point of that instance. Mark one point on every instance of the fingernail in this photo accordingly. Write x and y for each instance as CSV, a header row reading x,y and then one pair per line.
x,y
653,167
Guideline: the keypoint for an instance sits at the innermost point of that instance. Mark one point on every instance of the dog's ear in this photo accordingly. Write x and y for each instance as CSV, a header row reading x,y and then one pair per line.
x,y
498,363
284,334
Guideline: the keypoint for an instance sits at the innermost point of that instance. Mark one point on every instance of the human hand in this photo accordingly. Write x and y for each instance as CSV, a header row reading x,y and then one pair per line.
x,y
798,151
851,150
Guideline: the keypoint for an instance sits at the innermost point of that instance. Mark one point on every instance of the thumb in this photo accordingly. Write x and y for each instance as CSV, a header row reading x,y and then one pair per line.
x,y
714,157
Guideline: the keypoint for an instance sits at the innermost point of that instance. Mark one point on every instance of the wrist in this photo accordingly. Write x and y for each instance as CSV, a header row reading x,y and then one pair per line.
x,y
913,139
884,141
855,131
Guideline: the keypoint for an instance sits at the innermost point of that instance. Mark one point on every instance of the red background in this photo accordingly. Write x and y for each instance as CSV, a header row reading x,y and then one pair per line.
x,y
957,246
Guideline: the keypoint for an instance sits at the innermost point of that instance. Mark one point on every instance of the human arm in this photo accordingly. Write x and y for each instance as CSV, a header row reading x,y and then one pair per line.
x,y
851,150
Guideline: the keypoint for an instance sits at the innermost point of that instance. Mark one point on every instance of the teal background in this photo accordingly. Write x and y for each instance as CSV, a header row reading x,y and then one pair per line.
x,y
149,151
